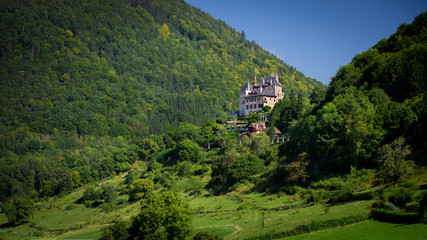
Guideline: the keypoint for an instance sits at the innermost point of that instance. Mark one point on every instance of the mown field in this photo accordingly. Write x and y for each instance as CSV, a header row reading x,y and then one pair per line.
x,y
369,230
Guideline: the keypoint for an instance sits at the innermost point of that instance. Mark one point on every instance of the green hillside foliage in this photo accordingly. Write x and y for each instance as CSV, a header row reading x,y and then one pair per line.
x,y
124,68
379,97
109,105
83,83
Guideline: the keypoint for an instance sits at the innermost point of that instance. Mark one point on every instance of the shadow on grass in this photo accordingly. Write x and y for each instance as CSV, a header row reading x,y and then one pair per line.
x,y
6,225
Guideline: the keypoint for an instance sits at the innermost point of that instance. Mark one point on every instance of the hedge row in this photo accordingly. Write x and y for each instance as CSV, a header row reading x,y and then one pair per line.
x,y
313,226
395,217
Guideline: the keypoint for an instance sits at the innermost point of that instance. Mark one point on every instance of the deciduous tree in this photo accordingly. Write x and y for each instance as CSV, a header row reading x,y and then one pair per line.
x,y
189,151
140,188
393,159
19,210
162,216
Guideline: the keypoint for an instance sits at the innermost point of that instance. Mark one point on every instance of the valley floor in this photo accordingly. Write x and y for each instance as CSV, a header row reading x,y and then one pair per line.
x,y
369,229
232,216
236,215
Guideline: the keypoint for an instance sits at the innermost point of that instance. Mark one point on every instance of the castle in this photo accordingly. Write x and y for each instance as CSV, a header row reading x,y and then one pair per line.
x,y
266,93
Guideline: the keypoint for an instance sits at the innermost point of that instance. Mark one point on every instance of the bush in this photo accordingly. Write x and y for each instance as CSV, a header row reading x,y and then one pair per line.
x,y
343,196
409,185
365,196
394,217
205,235
379,204
315,196
19,210
291,190
108,193
139,188
117,231
131,176
330,184
412,207
400,196
91,194
70,207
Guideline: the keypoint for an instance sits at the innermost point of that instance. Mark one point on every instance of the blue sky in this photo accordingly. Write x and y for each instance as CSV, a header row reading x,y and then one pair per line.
x,y
314,36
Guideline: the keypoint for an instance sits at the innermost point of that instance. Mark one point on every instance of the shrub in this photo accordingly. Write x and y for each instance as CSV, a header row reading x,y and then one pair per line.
x,y
108,193
316,195
205,235
184,169
117,231
19,210
409,185
39,233
343,196
400,196
70,207
394,217
379,204
423,208
365,196
139,188
412,207
330,184
290,190
91,194
131,176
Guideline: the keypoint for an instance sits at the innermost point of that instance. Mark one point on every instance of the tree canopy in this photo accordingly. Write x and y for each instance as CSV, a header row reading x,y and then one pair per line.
x,y
162,216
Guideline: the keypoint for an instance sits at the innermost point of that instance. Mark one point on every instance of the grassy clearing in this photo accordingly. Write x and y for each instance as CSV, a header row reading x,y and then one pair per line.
x,y
218,215
369,230
63,221
223,231
257,213
236,215
251,214
82,235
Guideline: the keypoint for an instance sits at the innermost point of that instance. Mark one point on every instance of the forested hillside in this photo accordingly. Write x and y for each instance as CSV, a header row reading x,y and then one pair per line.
x,y
85,84
380,96
124,68
81,82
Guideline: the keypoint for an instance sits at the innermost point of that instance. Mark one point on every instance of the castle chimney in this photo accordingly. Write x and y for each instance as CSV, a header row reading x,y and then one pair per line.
x,y
255,81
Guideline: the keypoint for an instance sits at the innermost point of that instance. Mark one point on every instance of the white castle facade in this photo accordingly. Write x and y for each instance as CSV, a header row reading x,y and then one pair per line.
x,y
266,93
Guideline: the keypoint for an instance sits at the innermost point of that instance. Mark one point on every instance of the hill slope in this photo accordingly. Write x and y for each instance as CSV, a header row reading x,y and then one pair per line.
x,y
375,99
123,68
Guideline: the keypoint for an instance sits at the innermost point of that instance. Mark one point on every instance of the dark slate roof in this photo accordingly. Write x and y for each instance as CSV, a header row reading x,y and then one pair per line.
x,y
246,86
271,81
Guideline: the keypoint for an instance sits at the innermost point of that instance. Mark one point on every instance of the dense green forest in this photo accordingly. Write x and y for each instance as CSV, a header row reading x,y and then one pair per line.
x,y
124,68
379,96
83,81
131,97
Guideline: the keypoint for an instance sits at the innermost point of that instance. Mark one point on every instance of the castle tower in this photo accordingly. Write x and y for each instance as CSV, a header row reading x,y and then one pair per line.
x,y
254,98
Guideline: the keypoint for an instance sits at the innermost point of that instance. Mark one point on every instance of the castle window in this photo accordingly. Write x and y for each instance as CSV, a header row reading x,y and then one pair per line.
x,y
247,107
251,106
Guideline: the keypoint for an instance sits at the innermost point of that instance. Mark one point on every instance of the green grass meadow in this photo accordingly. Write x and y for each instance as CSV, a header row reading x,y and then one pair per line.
x,y
236,215
369,230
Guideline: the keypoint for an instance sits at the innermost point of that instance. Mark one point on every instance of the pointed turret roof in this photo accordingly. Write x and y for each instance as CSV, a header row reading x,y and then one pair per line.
x,y
245,87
